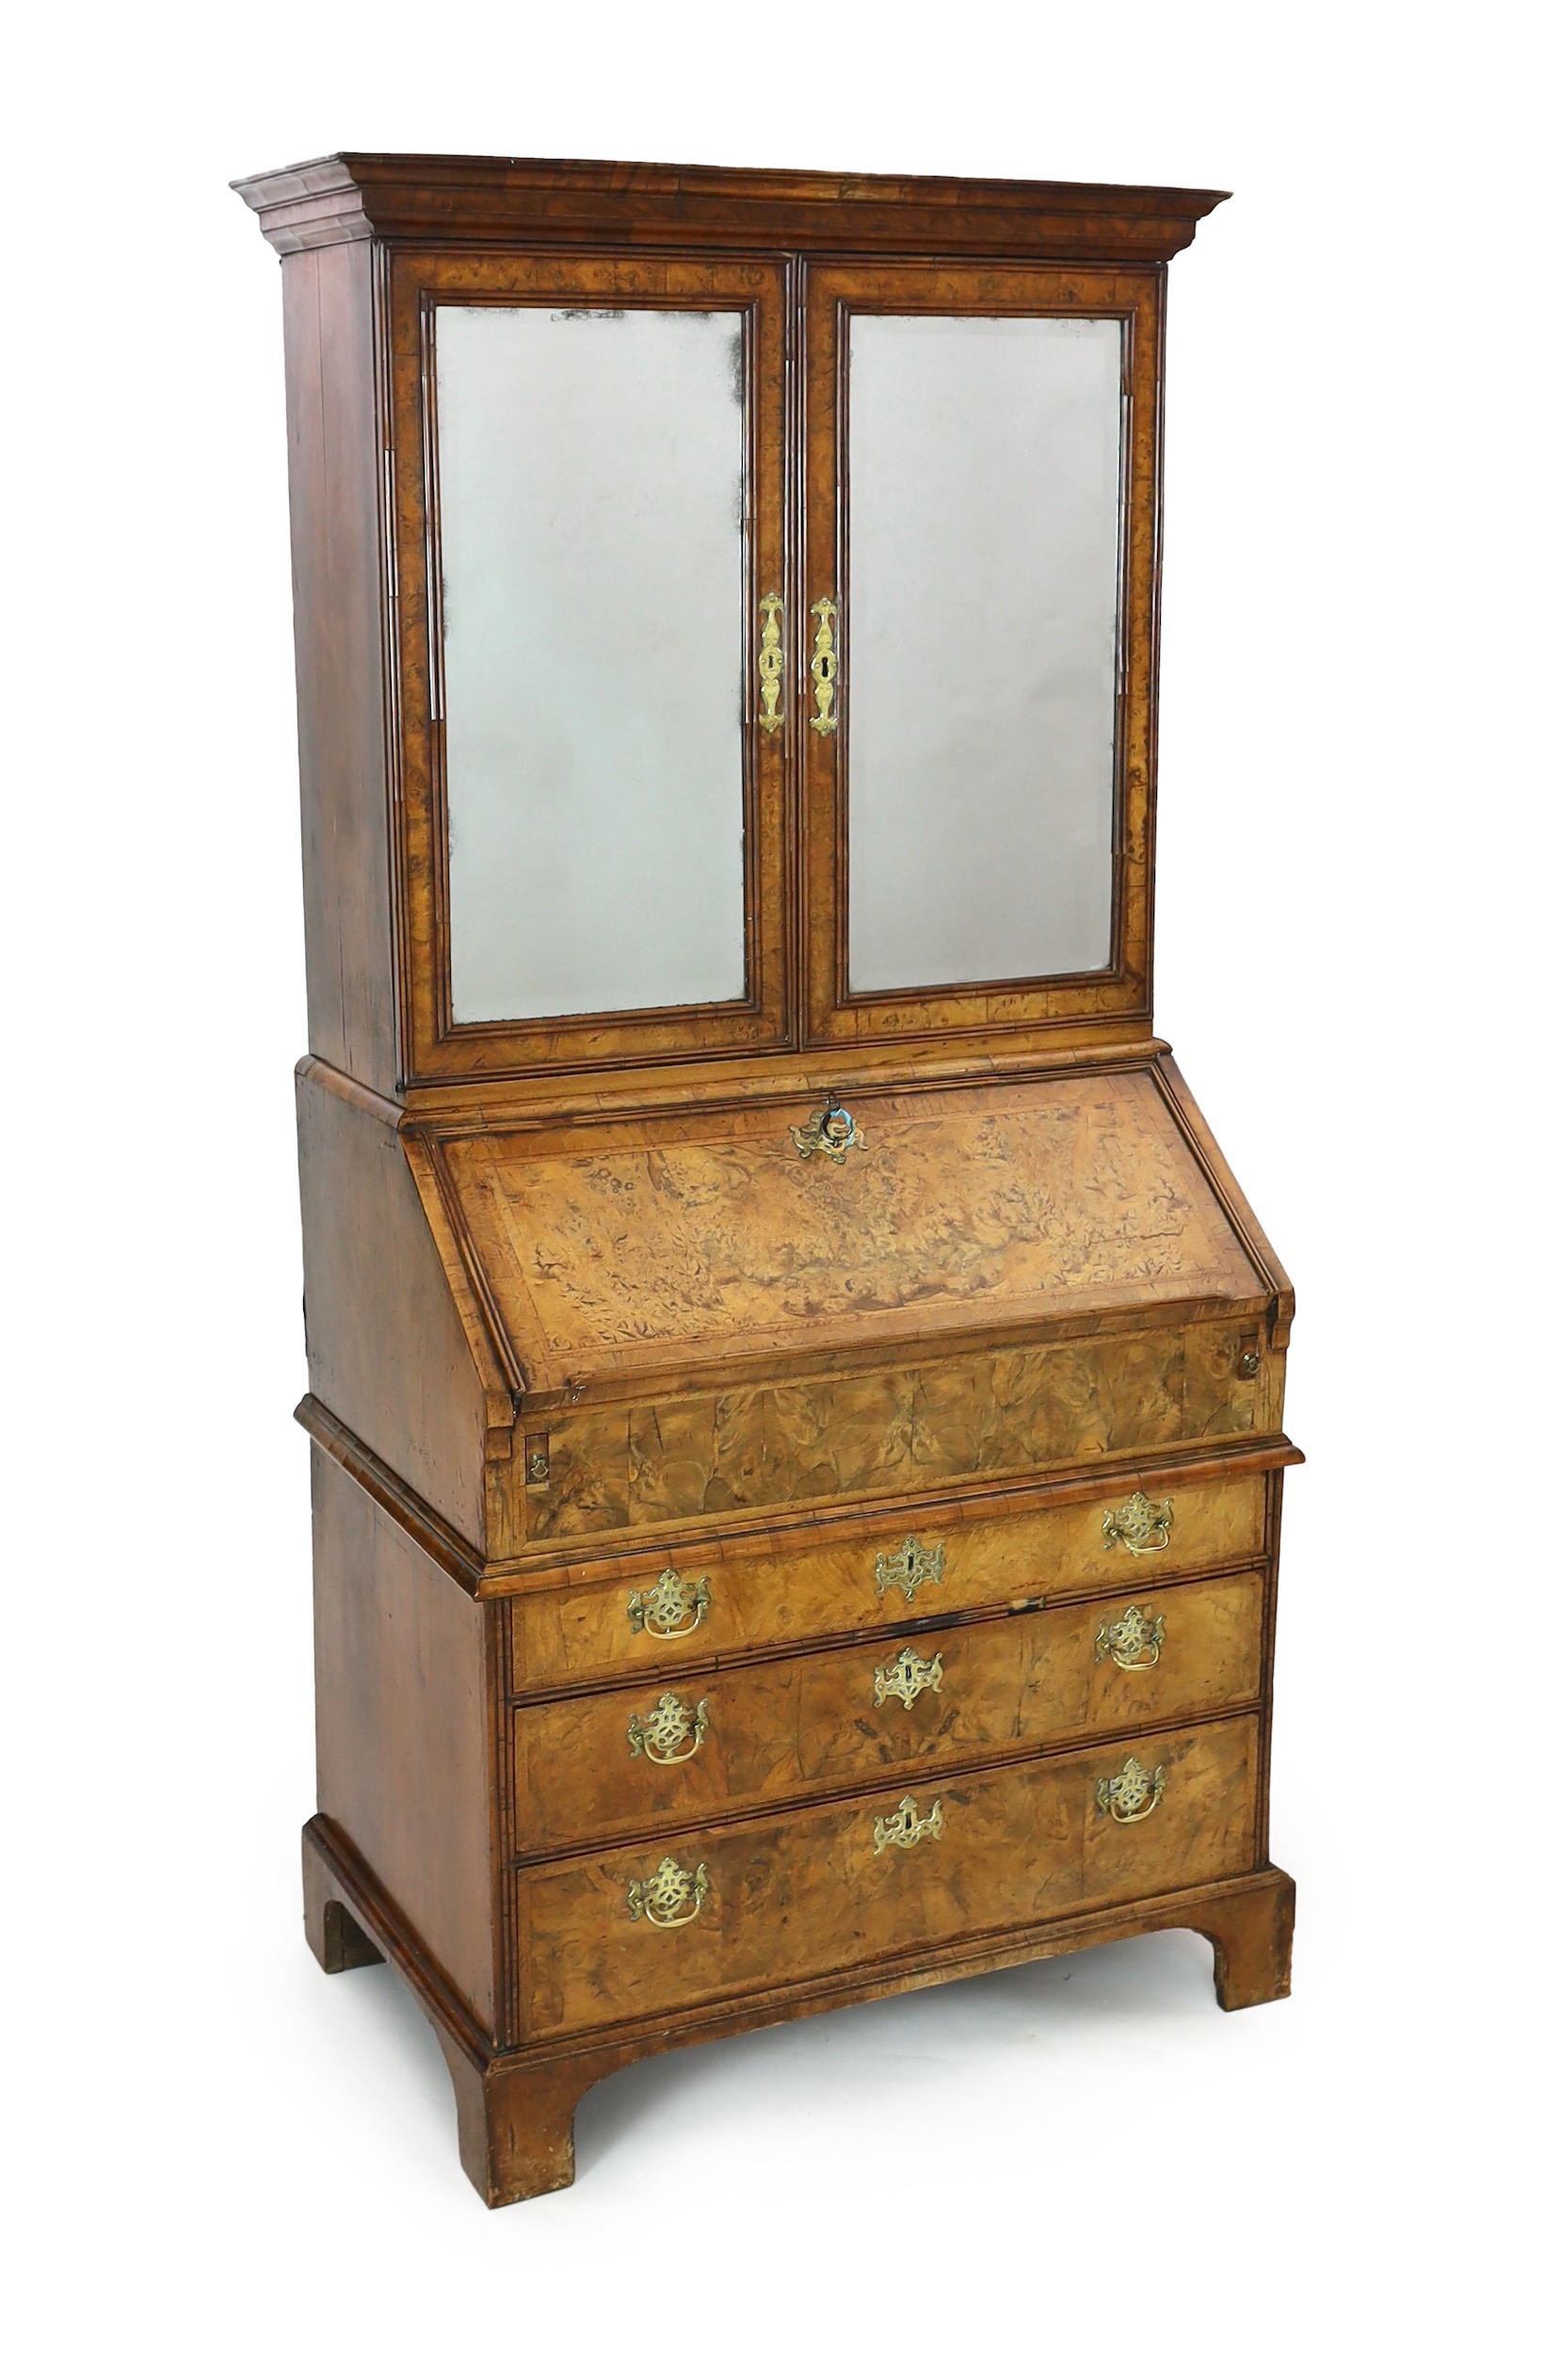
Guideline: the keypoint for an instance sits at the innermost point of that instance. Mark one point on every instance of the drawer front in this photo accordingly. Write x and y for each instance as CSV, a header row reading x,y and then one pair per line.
x,y
623,1764
873,1583
614,1470
698,1916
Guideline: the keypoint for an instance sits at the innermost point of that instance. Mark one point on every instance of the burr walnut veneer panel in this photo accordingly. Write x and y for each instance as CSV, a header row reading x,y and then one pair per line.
x,y
682,1239
618,1469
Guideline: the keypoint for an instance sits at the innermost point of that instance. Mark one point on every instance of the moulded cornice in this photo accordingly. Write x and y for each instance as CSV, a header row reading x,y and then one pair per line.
x,y
356,196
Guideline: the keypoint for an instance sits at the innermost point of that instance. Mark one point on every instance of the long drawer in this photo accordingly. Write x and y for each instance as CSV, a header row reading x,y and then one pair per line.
x,y
694,1918
691,1612
617,1763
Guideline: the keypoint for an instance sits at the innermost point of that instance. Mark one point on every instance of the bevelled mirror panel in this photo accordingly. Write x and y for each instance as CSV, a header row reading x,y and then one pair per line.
x,y
984,465
592,505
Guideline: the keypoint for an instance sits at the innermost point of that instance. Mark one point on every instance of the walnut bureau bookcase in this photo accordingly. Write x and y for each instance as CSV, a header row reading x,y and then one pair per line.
x,y
796,1391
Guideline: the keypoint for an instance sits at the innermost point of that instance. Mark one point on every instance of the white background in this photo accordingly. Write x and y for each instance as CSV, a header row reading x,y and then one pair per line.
x,y
225,2163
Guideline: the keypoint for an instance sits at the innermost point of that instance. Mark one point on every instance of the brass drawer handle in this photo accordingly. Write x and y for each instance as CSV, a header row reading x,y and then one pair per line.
x,y
907,1567
907,1827
663,1610
662,1898
1134,1641
1132,1795
822,667
830,1132
660,1737
906,1678
769,662
1140,1526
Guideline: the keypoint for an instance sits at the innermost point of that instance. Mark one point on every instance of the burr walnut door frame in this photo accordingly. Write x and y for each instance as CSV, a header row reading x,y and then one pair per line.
x,y
420,285
835,1017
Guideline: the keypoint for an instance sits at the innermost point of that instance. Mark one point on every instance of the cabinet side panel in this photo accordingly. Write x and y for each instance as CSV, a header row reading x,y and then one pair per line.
x,y
334,452
386,1349
401,1727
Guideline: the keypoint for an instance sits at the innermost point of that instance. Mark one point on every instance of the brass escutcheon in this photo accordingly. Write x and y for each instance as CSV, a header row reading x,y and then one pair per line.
x,y
1139,1525
830,1132
822,667
1134,1793
669,1726
662,1611
908,1677
907,1827
662,1898
769,662
1134,1641
910,1566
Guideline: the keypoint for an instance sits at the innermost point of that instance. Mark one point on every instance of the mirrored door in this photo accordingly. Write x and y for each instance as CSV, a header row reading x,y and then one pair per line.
x,y
593,507
596,862
980,556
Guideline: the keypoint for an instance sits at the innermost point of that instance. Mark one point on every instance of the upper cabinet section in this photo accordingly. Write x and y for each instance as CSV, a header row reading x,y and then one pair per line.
x,y
721,631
